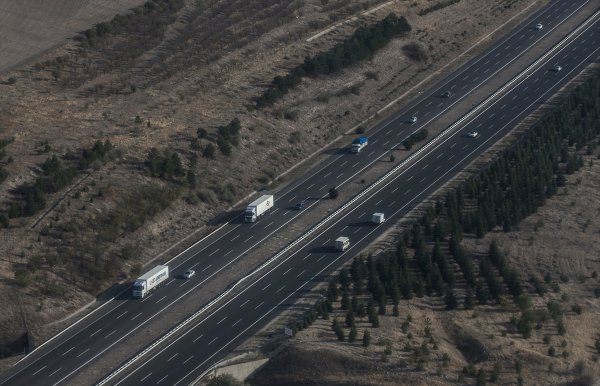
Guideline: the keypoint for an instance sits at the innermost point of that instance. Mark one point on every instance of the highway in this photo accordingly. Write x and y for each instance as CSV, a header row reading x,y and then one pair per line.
x,y
233,322
220,331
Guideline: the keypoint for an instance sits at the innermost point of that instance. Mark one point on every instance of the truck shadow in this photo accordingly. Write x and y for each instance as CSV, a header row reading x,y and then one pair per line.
x,y
362,224
336,151
119,291
233,217
323,249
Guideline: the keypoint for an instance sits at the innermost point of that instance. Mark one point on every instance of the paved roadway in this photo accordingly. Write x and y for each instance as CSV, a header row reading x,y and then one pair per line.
x,y
226,327
60,359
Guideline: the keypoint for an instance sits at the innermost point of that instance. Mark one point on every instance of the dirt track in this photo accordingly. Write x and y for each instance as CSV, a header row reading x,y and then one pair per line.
x,y
30,27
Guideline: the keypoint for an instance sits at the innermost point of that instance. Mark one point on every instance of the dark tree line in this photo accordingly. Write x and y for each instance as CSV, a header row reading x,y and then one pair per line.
x,y
361,45
507,190
437,6
144,16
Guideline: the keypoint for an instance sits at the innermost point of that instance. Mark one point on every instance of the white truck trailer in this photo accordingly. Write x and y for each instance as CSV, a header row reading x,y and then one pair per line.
x,y
342,243
258,207
378,218
150,280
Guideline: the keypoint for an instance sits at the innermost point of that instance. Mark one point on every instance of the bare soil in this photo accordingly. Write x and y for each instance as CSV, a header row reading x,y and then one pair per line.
x,y
30,28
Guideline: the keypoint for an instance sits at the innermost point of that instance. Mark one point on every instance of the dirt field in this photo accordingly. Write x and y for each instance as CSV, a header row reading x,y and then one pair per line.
x,y
29,28
201,71
561,241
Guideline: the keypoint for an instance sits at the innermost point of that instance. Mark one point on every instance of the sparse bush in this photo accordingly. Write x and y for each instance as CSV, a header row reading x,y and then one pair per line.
x,y
495,375
23,277
201,133
53,289
4,222
209,151
415,51
295,137
195,144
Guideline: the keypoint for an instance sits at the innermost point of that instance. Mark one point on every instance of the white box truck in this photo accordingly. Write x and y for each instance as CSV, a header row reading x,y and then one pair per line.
x,y
342,243
378,218
150,280
258,207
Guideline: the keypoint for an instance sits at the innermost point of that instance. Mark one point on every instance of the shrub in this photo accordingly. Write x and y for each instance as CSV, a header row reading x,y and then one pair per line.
x,y
415,51
23,277
366,340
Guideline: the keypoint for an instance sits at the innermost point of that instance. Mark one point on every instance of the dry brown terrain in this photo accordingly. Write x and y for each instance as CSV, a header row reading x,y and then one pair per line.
x,y
204,69
561,241
29,27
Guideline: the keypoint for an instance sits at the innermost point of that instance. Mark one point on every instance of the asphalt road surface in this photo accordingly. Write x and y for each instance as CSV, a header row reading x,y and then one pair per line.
x,y
227,326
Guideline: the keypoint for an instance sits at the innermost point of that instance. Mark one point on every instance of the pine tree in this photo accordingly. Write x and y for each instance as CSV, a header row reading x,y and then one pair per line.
x,y
353,333
375,320
469,299
345,303
450,300
366,340
332,291
349,318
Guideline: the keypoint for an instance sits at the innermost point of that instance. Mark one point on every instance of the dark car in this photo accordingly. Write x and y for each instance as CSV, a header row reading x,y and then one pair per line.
x,y
447,94
299,205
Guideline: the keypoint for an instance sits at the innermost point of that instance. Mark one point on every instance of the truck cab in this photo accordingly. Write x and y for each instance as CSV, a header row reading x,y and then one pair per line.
x,y
342,243
139,289
250,214
358,144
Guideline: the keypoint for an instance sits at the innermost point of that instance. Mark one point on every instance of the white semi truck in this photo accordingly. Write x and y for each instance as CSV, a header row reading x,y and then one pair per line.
x,y
342,243
258,207
150,280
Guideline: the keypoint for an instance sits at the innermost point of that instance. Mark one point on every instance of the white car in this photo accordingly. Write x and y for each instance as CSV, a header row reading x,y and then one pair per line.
x,y
189,273
539,26
412,119
557,68
472,134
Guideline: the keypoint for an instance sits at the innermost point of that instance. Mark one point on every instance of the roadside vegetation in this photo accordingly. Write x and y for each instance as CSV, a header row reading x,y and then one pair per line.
x,y
55,174
3,171
360,46
437,6
429,260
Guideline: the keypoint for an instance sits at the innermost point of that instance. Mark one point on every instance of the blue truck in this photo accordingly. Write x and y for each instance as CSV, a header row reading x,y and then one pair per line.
x,y
359,143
